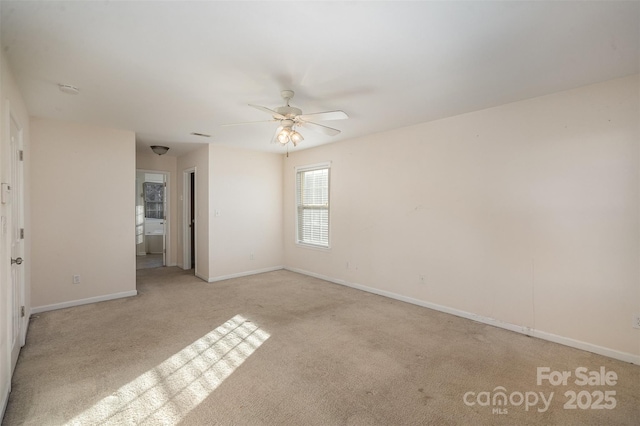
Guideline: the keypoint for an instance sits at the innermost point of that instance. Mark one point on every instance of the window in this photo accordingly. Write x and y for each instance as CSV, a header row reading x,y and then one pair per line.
x,y
312,200
153,200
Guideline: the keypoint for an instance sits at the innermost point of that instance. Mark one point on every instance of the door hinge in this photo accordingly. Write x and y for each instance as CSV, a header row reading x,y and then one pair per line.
x,y
21,155
22,233
22,311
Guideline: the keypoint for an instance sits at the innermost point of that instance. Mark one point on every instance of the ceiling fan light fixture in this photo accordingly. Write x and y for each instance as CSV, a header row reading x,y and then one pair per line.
x,y
284,137
296,138
289,117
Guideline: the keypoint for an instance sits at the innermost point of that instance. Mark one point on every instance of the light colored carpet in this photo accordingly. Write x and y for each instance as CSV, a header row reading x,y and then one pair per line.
x,y
148,261
281,348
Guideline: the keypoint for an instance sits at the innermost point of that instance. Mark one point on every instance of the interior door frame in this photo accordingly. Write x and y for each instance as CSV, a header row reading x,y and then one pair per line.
x,y
186,218
166,237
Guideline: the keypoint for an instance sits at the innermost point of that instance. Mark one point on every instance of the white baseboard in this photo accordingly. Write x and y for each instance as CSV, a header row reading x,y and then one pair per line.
x,y
72,303
244,274
589,347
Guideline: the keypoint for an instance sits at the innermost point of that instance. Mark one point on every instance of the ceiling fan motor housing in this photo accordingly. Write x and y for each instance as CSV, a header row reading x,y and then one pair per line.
x,y
288,123
288,111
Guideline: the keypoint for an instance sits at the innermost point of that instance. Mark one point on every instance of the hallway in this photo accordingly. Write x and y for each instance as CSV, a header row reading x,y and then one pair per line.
x,y
149,261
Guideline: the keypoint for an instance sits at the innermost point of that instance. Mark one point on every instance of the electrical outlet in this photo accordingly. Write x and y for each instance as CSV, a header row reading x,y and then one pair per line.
x,y
251,256
76,279
636,321
423,279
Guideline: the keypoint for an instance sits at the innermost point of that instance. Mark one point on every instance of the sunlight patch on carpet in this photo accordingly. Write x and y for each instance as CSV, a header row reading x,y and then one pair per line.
x,y
168,392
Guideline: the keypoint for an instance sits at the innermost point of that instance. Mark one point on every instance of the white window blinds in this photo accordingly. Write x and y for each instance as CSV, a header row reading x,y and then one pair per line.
x,y
312,198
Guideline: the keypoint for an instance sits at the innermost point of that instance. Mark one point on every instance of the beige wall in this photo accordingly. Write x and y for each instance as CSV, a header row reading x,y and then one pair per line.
x,y
83,187
11,103
246,212
165,163
245,188
524,214
200,160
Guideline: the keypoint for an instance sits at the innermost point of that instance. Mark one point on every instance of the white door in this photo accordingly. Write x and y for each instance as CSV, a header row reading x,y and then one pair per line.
x,y
16,221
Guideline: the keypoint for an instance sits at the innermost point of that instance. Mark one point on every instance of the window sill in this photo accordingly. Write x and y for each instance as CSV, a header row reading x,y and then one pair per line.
x,y
313,246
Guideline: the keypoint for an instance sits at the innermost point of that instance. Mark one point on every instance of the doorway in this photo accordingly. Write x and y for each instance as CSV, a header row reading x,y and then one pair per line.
x,y
189,222
152,221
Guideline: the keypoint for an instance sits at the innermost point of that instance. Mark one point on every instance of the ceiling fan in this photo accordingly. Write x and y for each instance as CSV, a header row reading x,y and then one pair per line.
x,y
291,117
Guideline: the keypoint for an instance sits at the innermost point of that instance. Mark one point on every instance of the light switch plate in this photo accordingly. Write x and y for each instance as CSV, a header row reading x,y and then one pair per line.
x,y
6,193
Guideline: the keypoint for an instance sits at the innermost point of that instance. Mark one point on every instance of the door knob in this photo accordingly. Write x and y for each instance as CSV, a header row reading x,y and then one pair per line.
x,y
17,261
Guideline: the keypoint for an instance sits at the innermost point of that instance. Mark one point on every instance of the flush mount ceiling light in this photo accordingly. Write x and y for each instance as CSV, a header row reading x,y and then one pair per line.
x,y
68,89
160,150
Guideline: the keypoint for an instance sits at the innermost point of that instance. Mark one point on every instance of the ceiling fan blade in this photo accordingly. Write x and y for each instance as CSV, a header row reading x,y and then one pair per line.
x,y
327,115
275,114
247,122
329,131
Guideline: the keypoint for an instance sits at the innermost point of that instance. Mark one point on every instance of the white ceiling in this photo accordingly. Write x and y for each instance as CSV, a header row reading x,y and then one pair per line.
x,y
166,69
